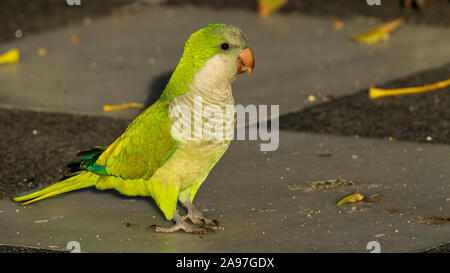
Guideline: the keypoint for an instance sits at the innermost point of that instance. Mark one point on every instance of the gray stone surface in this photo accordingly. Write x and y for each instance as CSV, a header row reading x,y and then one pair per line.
x,y
119,58
264,204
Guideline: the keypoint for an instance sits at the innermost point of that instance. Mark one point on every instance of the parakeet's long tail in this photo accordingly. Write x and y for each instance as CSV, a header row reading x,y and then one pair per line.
x,y
82,180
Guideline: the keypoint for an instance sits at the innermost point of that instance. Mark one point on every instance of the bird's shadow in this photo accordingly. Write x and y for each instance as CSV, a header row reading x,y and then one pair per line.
x,y
119,196
156,87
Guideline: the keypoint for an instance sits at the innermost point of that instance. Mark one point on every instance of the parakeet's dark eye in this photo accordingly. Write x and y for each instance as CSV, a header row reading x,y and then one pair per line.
x,y
225,46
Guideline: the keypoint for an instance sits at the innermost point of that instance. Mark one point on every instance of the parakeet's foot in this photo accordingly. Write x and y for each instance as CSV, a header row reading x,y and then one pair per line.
x,y
183,225
196,216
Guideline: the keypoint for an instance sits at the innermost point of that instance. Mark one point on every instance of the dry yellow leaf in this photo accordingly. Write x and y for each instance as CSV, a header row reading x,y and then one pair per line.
x,y
107,108
266,7
10,57
375,93
379,33
352,198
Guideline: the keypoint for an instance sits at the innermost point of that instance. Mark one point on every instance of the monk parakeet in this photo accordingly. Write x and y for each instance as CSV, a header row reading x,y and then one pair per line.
x,y
147,160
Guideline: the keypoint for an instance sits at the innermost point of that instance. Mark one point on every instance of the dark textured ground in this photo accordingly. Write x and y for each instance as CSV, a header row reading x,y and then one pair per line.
x,y
437,12
444,248
408,118
18,249
36,146
34,16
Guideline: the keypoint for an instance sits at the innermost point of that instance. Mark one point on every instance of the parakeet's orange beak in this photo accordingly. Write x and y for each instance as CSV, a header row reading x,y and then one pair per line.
x,y
245,61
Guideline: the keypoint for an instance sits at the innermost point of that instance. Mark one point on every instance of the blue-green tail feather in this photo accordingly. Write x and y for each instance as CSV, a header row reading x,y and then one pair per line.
x,y
88,159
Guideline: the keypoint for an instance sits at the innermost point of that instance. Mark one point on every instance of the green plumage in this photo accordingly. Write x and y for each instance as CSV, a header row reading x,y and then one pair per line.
x,y
201,46
145,160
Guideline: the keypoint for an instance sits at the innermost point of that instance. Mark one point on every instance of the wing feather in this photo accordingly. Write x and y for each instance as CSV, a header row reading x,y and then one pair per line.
x,y
144,146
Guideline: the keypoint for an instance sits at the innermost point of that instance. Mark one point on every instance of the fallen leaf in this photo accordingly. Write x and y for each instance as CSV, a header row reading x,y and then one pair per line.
x,y
10,57
375,93
266,7
434,220
107,108
379,33
352,198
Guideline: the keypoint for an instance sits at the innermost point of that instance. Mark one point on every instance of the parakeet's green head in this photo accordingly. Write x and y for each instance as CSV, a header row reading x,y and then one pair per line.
x,y
222,40
212,56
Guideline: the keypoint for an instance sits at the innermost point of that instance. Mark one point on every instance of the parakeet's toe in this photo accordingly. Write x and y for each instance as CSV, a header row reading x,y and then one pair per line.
x,y
203,222
196,217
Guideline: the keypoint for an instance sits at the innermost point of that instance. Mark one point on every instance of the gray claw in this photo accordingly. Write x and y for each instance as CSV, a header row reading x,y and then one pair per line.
x,y
196,217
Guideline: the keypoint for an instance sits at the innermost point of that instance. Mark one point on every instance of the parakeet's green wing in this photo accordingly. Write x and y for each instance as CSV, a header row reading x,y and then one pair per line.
x,y
143,148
